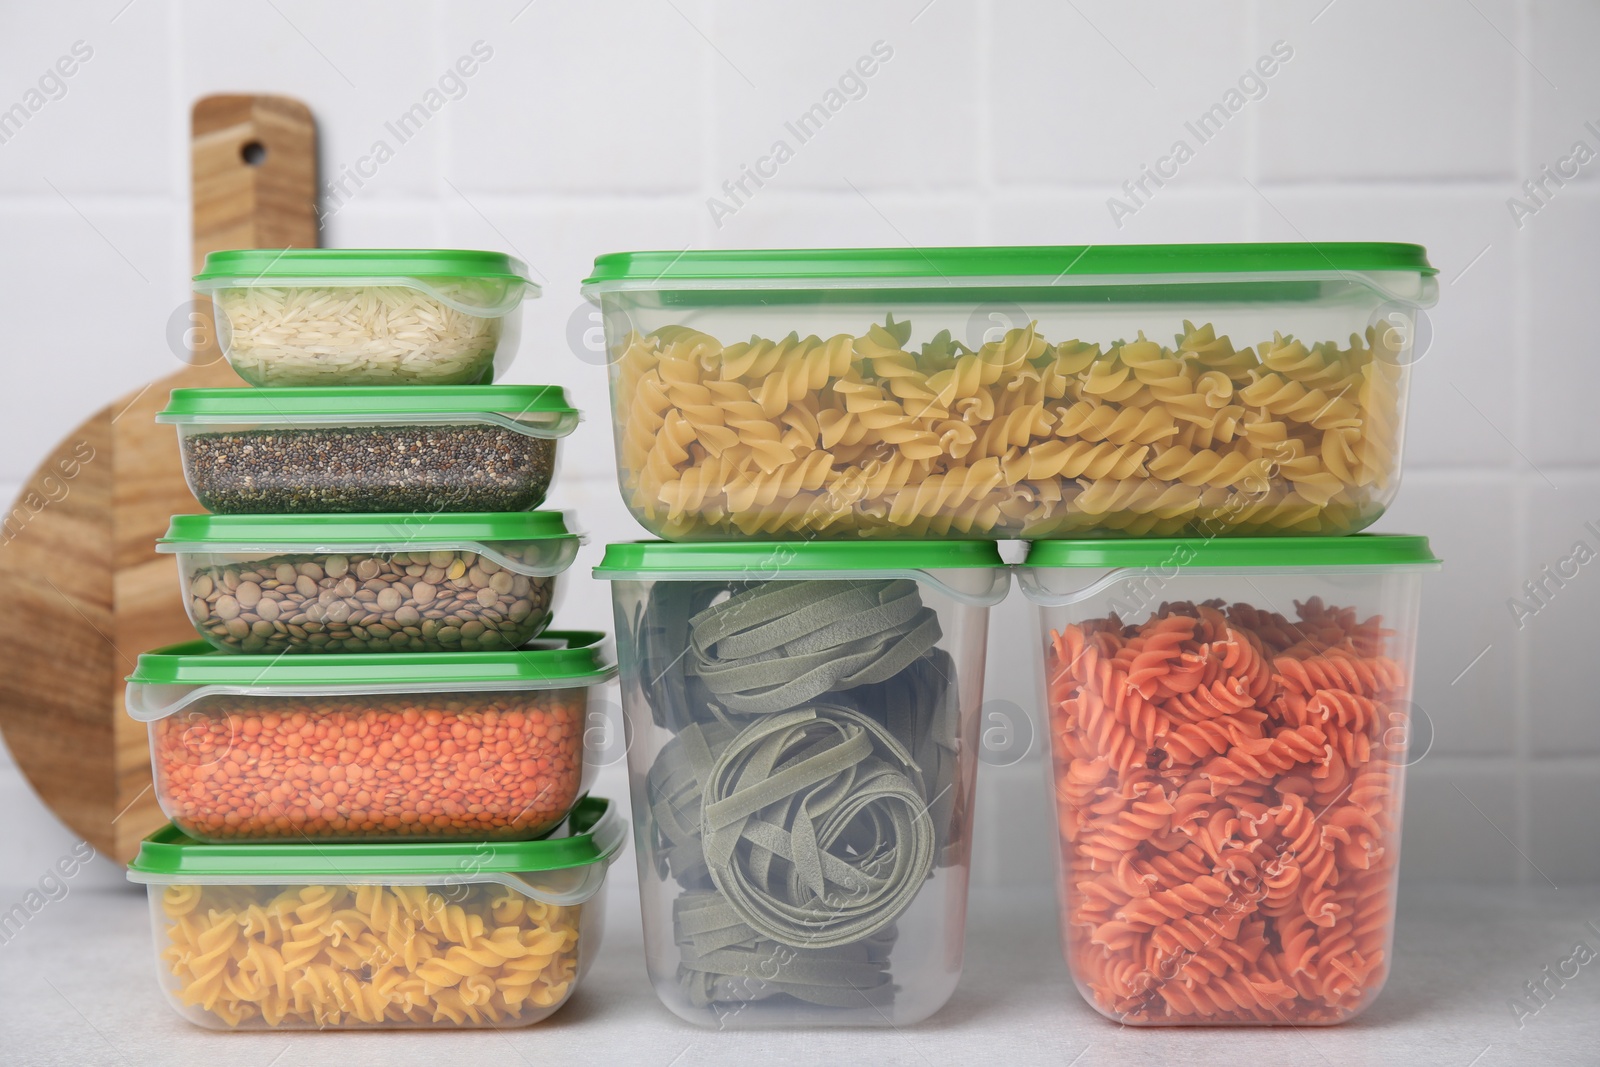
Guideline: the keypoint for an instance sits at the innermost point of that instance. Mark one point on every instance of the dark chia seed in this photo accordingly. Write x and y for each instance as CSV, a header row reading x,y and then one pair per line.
x,y
369,469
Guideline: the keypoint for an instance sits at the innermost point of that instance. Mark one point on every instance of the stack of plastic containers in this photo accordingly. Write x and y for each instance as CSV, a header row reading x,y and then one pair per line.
x,y
373,761
803,702
1187,435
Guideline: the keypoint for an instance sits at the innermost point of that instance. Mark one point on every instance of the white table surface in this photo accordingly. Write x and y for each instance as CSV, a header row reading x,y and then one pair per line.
x,y
77,987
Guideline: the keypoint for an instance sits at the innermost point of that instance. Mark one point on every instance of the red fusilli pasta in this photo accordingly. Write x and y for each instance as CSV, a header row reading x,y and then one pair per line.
x,y
1228,811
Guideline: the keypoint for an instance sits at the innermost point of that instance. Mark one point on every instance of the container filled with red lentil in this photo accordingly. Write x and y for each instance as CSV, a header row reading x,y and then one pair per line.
x,y
416,582
460,746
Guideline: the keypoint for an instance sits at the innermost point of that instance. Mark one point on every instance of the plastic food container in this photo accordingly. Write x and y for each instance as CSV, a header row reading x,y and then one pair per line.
x,y
1228,724
280,936
369,583
366,316
803,726
1101,391
370,448
442,745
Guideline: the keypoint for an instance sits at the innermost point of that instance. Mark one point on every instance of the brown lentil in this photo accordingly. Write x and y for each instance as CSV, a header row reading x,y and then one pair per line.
x,y
388,602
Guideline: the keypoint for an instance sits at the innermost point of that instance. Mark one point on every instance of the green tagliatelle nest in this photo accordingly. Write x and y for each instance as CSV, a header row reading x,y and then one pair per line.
x,y
810,788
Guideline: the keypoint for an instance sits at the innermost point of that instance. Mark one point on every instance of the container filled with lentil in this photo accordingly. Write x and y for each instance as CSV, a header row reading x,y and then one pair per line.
x,y
370,448
444,745
255,935
370,583
366,316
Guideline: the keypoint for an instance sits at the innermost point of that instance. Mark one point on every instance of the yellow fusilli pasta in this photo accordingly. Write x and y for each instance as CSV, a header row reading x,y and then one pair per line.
x,y
1022,437
294,957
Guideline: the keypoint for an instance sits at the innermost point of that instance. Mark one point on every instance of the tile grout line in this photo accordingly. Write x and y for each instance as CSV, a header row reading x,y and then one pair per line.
x,y
442,203
562,198
710,136
1522,488
182,248
1251,163
557,198
1442,762
987,182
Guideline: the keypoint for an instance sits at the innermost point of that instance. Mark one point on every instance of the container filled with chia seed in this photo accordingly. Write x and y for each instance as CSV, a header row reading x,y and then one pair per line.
x,y
370,448
370,583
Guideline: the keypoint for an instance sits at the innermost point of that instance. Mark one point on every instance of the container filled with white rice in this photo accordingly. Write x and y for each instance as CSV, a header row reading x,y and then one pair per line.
x,y
353,316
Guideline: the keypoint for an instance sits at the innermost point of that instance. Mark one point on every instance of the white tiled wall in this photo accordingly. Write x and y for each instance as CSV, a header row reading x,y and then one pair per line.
x,y
605,126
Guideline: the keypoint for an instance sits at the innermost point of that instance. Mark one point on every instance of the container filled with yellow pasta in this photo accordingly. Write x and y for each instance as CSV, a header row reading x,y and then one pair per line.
x,y
281,936
1012,392
803,722
1230,723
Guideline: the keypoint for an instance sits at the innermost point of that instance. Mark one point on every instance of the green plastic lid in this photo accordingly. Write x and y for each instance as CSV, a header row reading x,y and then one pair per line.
x,y
190,532
663,269
266,265
970,571
778,559
1250,553
593,834
569,658
546,405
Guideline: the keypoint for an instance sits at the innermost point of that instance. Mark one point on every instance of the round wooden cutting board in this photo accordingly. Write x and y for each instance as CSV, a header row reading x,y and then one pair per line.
x,y
85,589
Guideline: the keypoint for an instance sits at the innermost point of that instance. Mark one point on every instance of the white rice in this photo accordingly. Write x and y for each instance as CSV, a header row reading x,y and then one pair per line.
x,y
354,335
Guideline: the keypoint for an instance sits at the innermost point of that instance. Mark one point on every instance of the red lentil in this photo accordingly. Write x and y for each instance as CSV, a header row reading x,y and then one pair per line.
x,y
442,765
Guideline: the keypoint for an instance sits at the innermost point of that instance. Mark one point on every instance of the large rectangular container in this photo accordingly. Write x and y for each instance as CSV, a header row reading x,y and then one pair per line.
x,y
1229,724
1096,391
803,748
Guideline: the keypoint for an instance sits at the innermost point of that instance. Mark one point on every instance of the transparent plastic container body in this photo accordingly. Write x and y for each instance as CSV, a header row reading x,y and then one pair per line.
x,y
370,449
458,949
1228,754
453,765
319,470
337,993
1157,404
378,331
805,864
365,598
439,746
510,470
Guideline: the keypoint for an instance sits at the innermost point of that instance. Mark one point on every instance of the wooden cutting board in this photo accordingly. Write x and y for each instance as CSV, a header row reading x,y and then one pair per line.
x,y
84,588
